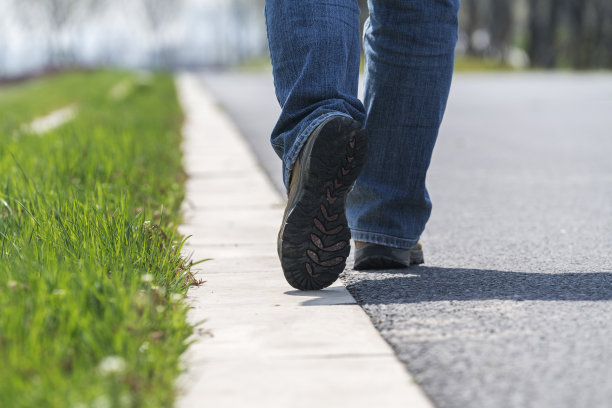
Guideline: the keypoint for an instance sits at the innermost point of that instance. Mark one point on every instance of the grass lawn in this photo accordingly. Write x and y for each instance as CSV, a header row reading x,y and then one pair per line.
x,y
91,276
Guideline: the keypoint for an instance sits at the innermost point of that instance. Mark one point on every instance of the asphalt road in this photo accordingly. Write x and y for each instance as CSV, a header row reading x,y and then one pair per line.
x,y
513,307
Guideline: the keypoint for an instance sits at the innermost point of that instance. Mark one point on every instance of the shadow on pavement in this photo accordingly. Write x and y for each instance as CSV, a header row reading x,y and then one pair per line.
x,y
431,284
335,295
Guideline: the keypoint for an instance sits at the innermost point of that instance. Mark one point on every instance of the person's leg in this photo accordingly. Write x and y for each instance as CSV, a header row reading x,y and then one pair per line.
x,y
409,46
315,52
315,48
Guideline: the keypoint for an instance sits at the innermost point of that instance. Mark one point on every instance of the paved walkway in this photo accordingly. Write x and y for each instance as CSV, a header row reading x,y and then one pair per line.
x,y
262,344
512,307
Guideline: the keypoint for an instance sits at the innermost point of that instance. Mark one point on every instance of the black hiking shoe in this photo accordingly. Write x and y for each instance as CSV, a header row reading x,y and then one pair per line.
x,y
374,256
314,239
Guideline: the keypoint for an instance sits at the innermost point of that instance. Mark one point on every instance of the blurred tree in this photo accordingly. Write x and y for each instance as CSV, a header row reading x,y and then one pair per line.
x,y
573,33
587,21
54,16
159,13
553,33
4,4
470,24
543,20
487,27
240,15
577,46
501,27
603,33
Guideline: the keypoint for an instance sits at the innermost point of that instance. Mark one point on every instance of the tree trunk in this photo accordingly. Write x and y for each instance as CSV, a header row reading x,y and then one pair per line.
x,y
471,6
543,22
577,44
501,27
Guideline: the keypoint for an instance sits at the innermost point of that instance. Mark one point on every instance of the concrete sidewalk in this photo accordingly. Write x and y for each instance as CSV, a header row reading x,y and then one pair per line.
x,y
512,307
262,344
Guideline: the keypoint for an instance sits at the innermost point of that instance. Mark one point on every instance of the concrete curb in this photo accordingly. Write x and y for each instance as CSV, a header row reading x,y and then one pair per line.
x,y
264,344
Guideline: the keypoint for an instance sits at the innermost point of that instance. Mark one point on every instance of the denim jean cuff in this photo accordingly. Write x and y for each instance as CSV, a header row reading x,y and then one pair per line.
x,y
296,148
382,239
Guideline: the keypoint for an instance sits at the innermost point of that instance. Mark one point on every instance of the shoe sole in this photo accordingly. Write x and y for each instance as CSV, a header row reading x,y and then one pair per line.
x,y
314,239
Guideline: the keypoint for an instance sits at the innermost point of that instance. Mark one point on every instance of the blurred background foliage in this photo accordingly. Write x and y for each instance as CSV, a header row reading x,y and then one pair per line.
x,y
552,33
574,34
43,35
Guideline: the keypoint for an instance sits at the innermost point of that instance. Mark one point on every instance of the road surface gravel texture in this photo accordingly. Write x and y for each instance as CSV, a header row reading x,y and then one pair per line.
x,y
513,307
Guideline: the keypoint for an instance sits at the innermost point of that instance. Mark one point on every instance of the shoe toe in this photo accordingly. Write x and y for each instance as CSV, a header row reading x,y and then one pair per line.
x,y
370,256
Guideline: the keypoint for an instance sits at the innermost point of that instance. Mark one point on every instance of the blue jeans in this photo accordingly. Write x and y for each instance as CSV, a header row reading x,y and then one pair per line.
x,y
409,47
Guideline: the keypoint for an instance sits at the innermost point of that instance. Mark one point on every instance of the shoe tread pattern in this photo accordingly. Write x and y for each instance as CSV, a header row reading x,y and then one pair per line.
x,y
315,238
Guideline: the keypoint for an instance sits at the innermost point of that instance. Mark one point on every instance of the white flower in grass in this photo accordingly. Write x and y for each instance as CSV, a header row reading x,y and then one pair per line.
x,y
112,365
59,292
101,402
144,347
141,298
125,400
147,278
176,297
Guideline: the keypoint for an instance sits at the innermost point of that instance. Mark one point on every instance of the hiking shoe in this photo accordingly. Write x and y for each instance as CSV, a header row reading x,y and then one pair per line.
x,y
314,239
374,256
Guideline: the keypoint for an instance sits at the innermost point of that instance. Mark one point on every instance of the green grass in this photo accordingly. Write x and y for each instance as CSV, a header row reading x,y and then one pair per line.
x,y
91,276
21,103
